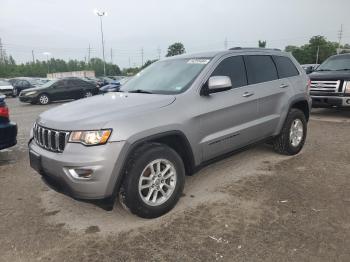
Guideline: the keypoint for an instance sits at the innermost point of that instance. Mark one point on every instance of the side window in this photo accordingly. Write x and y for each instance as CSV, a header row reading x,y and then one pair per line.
x,y
260,68
60,84
285,67
234,68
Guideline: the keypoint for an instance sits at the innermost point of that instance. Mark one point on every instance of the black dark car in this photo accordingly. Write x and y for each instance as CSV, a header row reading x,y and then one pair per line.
x,y
20,84
330,83
61,89
8,130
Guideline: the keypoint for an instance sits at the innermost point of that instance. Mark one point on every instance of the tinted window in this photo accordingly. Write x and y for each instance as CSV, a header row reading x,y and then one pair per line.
x,y
60,84
260,68
234,68
285,67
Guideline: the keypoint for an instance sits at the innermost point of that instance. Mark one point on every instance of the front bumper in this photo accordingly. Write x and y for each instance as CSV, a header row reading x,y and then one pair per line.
x,y
330,101
27,99
7,92
105,161
8,135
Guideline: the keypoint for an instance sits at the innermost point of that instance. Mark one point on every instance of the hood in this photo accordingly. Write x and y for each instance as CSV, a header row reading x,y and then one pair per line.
x,y
330,75
38,88
96,112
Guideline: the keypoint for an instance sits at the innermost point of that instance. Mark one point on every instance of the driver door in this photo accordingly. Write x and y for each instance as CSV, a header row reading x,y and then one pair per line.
x,y
227,120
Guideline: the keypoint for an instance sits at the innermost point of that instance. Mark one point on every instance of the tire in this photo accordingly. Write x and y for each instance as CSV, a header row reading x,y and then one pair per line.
x,y
88,94
44,99
14,92
139,174
284,143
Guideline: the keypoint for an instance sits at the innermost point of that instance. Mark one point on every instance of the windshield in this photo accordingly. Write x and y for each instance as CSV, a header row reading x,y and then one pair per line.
x,y
4,83
336,63
166,77
48,84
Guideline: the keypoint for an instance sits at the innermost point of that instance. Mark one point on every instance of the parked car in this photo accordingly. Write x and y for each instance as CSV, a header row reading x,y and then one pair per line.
x,y
168,121
8,130
114,86
20,84
330,82
61,89
309,68
104,81
6,88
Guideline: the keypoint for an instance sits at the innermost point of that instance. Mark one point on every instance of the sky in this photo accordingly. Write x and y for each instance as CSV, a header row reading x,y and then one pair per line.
x,y
65,28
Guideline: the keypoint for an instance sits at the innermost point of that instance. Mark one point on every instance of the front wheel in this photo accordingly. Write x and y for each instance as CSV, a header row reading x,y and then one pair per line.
x,y
44,99
14,92
154,181
292,137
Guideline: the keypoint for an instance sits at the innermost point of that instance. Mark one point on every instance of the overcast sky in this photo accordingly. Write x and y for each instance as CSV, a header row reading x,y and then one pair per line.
x,y
66,28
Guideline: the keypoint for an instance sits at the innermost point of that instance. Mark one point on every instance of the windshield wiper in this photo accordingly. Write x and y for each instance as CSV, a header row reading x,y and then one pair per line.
x,y
141,91
343,69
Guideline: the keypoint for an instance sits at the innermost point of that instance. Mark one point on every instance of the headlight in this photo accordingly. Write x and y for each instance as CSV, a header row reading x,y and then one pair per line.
x,y
30,93
347,87
90,138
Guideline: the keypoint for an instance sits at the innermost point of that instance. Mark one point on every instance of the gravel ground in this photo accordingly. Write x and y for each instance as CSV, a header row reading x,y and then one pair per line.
x,y
253,206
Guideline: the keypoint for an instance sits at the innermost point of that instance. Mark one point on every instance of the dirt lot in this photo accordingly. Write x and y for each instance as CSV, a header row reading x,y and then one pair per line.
x,y
253,206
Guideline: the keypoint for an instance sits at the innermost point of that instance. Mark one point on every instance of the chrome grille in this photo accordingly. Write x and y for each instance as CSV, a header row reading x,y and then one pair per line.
x,y
325,86
49,139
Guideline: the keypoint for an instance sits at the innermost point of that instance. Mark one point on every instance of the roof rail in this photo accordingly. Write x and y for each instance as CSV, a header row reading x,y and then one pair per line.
x,y
253,48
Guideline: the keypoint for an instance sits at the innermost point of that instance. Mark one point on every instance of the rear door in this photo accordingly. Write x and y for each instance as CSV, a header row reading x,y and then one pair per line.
x,y
270,90
227,118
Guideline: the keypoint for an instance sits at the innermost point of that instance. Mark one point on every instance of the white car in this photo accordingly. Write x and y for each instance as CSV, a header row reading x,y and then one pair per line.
x,y
6,88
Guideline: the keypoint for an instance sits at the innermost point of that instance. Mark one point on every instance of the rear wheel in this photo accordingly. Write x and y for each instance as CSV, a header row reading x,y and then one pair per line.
x,y
292,137
88,94
154,181
44,99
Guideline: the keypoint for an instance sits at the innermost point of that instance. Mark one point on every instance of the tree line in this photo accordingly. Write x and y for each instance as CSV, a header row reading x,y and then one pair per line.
x,y
316,50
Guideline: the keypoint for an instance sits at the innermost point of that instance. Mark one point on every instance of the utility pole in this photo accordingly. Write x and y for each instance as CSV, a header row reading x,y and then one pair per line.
x,y
159,52
111,56
129,62
33,56
225,43
340,35
1,54
89,52
142,57
317,54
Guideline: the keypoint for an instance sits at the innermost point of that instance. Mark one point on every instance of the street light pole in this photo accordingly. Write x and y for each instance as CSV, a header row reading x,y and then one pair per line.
x,y
47,54
101,14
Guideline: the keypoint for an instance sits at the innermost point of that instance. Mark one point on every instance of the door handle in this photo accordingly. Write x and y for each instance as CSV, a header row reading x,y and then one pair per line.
x,y
247,94
283,85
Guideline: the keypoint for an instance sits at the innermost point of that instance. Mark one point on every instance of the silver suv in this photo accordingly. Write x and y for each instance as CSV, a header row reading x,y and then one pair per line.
x,y
168,121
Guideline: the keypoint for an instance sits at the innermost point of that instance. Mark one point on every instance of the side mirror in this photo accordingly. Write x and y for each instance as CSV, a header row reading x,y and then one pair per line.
x,y
309,70
217,84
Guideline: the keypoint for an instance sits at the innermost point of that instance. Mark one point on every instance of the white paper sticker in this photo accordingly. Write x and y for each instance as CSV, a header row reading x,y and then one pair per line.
x,y
198,61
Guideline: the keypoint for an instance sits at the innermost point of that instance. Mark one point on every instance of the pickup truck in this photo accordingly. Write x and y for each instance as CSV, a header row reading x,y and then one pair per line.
x,y
330,83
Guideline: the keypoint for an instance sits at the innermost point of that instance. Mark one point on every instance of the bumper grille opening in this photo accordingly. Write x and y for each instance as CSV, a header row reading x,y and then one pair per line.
x,y
50,139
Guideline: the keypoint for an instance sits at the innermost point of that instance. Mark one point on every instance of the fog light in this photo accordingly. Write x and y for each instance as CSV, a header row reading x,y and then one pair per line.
x,y
81,173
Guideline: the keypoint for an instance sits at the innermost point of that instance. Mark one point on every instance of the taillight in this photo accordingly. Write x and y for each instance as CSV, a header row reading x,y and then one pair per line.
x,y
4,112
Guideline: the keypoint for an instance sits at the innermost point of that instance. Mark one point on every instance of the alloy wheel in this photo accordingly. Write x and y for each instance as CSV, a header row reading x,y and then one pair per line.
x,y
157,182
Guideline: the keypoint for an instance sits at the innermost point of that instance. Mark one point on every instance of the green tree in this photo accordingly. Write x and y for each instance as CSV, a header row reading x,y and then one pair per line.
x,y
307,54
262,44
176,49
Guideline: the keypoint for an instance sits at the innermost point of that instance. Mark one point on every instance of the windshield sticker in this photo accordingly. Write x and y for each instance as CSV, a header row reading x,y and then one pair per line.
x,y
198,61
